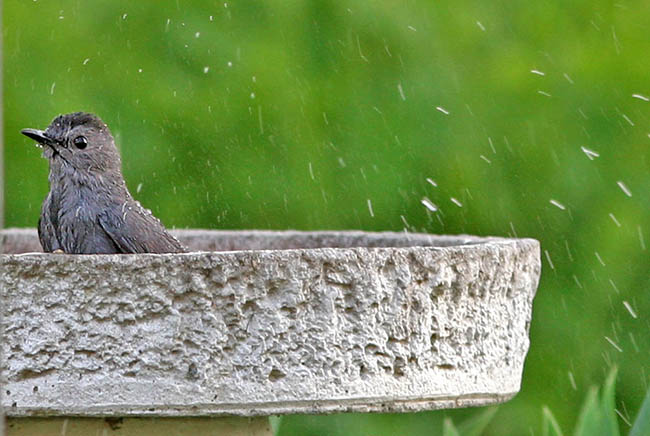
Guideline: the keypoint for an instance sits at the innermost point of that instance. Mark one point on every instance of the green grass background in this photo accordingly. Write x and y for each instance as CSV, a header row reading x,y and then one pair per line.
x,y
308,115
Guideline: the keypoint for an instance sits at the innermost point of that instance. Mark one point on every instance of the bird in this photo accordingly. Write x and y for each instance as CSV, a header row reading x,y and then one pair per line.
x,y
89,209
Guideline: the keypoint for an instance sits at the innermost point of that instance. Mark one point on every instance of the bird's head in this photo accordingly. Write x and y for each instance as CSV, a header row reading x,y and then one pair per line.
x,y
80,140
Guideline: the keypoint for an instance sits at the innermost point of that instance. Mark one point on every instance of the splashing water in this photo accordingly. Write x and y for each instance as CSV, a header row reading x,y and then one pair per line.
x,y
429,204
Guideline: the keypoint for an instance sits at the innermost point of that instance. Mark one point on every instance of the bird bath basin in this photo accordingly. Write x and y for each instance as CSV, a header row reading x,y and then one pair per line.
x,y
257,323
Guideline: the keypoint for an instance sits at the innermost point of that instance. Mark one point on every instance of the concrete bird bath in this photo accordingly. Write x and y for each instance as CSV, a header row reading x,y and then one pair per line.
x,y
257,323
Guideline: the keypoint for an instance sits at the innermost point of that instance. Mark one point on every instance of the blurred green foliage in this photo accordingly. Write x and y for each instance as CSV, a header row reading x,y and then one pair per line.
x,y
598,414
332,115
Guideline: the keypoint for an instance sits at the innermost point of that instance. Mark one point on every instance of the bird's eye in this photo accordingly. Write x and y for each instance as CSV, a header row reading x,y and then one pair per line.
x,y
80,142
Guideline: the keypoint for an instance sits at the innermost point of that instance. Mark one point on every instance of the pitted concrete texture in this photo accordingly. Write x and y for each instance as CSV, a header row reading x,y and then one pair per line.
x,y
292,322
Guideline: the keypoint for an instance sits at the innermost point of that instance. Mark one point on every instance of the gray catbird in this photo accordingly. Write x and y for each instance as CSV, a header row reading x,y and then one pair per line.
x,y
89,208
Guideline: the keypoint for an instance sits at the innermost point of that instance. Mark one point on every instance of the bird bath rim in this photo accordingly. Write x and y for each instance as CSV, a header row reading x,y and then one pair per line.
x,y
265,331
23,241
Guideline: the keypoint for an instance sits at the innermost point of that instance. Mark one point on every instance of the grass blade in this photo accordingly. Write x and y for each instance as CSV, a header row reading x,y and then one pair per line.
x,y
550,427
641,426
475,425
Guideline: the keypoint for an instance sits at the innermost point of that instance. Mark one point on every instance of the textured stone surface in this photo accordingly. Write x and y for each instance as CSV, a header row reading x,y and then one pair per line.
x,y
305,323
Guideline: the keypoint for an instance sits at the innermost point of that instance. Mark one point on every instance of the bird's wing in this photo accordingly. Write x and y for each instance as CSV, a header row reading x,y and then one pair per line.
x,y
47,234
134,229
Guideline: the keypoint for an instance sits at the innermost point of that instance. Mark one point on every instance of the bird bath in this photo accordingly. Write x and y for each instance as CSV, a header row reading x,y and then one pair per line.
x,y
259,323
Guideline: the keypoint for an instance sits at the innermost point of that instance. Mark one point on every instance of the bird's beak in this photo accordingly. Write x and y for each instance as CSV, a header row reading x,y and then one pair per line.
x,y
38,136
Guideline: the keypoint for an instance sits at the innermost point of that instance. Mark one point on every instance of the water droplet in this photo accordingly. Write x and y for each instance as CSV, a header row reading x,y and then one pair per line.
x,y
614,344
613,217
641,239
629,309
429,204
401,91
206,69
372,214
624,188
548,259
590,153
572,381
